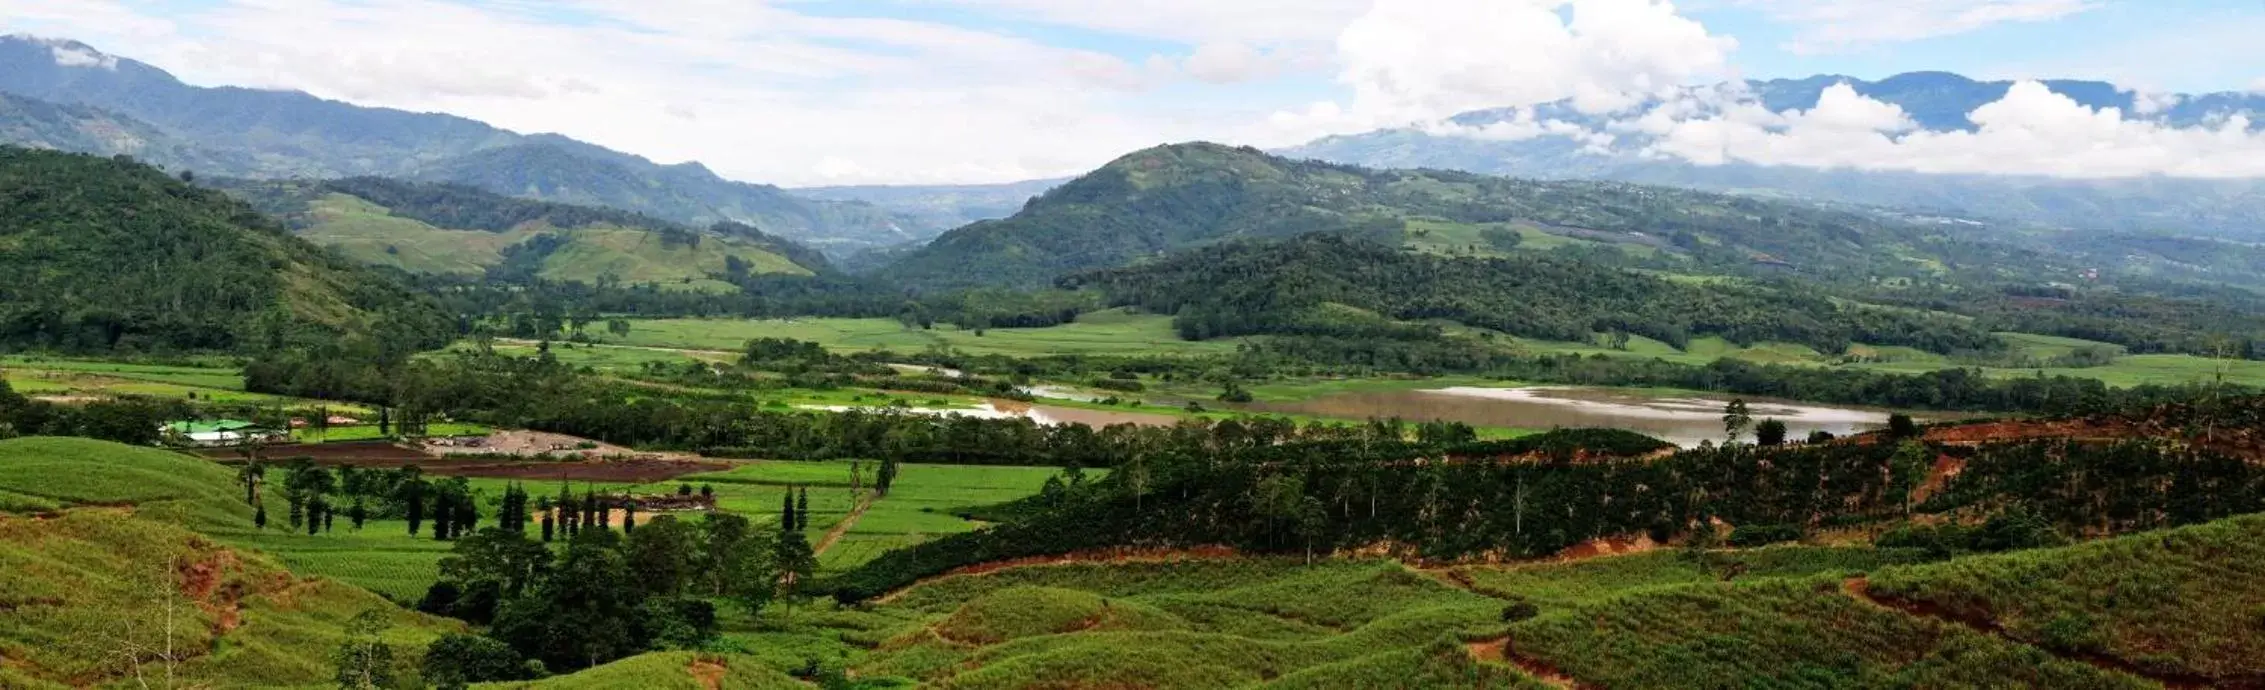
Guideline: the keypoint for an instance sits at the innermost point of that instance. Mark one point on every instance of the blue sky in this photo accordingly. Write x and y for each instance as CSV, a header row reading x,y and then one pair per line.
x,y
878,91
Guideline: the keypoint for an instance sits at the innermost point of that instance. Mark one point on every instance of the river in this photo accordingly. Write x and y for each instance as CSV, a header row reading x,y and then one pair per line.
x,y
1684,421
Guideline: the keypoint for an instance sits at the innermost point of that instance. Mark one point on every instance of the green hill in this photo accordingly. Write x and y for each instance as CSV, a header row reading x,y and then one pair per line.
x,y
101,254
102,541
1176,197
1333,286
455,230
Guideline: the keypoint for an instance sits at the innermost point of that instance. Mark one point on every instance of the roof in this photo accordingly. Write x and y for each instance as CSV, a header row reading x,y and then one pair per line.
x,y
218,425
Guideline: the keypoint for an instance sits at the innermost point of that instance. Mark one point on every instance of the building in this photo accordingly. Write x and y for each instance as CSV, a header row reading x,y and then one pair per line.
x,y
219,432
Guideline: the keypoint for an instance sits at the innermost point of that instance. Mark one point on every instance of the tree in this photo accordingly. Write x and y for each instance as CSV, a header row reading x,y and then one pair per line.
x,y
412,494
802,510
503,559
1770,433
707,491
315,512
259,516
684,489
544,506
786,514
1736,418
1906,471
456,660
443,517
358,513
628,516
662,555
1901,426
364,660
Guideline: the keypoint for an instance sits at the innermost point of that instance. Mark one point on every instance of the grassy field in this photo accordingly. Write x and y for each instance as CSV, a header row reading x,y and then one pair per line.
x,y
2125,371
1105,332
920,506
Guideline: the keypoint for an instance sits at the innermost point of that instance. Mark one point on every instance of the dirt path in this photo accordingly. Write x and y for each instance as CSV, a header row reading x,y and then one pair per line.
x,y
842,528
1860,589
1499,651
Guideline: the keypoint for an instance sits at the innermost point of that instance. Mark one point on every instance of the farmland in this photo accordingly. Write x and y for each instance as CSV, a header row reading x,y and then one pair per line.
x,y
1105,332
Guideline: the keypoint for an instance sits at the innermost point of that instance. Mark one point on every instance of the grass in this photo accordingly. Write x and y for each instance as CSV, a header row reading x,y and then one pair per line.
x,y
2124,372
1562,585
668,671
84,587
1783,633
1112,331
2183,602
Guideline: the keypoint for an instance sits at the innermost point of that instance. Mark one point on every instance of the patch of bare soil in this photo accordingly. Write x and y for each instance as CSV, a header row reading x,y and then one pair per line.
x,y
708,672
842,528
1499,651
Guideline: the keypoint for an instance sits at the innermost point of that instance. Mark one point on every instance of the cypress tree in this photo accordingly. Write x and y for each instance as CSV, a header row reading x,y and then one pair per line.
x,y
314,516
802,510
628,516
605,514
591,518
546,527
441,517
786,513
358,513
415,491
298,512
327,515
259,517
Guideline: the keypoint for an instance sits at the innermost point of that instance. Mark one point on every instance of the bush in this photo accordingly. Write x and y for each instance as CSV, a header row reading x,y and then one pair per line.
x,y
1520,612
1118,385
458,660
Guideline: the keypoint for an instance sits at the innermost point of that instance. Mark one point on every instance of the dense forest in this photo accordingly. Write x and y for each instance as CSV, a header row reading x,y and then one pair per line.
x,y
1305,286
102,255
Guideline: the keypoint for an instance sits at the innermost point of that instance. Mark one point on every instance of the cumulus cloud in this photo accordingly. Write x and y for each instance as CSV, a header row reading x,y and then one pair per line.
x,y
1412,61
2031,131
1838,25
1231,62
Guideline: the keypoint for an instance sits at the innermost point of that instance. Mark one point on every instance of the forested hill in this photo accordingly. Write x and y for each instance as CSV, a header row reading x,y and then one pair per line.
x,y
1176,197
108,254
1334,286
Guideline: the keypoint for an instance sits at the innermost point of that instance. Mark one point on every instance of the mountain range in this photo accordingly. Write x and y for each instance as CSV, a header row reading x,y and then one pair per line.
x,y
67,95
1934,101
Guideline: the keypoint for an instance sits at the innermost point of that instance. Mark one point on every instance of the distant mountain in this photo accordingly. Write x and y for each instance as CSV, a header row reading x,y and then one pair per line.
x,y
940,207
1935,100
106,254
117,105
457,230
1173,198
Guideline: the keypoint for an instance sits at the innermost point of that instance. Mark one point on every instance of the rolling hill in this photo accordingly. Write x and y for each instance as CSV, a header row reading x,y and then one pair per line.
x,y
1934,100
118,105
103,254
1176,197
459,230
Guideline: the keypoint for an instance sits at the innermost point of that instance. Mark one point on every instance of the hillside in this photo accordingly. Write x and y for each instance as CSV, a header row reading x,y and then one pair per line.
x,y
256,133
1934,100
103,254
1326,285
97,538
1176,197
457,230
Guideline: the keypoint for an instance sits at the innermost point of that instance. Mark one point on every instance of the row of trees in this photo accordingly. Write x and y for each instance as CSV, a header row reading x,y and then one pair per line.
x,y
125,421
1535,497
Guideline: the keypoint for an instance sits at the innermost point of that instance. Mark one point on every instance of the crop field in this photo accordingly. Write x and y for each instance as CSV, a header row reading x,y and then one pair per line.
x,y
2183,604
1105,332
920,505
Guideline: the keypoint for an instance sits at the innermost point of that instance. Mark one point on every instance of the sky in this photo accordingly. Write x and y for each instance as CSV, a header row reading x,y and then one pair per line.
x,y
819,92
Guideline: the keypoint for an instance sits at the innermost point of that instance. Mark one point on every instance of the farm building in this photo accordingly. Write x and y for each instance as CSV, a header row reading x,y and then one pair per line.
x,y
219,432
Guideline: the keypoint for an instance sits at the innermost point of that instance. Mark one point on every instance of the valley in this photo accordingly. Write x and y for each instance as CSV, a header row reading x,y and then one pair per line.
x,y
299,392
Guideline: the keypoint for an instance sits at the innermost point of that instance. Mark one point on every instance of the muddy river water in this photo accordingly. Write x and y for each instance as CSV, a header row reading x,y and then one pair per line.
x,y
1680,420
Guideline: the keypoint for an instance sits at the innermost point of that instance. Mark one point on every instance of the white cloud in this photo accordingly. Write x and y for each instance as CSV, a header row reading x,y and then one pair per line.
x,y
1414,61
2032,131
2258,86
1838,25
757,92
78,56
1231,62
1192,21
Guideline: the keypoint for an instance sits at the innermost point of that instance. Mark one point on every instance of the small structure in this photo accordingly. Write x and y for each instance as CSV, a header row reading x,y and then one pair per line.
x,y
219,432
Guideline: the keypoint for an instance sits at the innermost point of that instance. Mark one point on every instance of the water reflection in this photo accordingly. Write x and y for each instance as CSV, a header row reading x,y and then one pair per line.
x,y
1683,421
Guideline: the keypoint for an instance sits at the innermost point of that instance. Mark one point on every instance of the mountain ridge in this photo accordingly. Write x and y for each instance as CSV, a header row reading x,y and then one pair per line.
x,y
289,134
